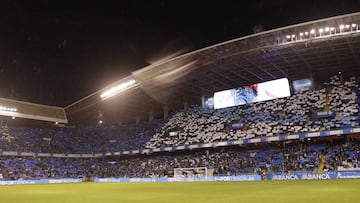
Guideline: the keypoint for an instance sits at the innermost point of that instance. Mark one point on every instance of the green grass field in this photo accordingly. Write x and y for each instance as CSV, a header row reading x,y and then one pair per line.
x,y
339,191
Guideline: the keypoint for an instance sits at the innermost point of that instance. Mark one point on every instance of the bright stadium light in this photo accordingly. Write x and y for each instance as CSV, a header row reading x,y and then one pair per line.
x,y
293,36
288,36
332,29
312,31
321,30
327,29
4,108
301,34
353,27
342,27
347,26
306,33
117,89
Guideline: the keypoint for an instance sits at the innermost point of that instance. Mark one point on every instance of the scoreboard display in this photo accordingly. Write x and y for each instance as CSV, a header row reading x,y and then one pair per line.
x,y
252,93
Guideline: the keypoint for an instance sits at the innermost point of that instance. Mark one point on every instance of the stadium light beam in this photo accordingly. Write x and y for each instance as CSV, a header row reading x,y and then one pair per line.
x,y
117,89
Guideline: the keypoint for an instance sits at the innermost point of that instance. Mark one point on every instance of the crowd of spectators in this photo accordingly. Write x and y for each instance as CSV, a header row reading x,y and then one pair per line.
x,y
301,156
289,115
82,139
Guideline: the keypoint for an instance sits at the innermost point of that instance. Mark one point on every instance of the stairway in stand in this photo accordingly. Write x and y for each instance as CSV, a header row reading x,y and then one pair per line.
x,y
322,164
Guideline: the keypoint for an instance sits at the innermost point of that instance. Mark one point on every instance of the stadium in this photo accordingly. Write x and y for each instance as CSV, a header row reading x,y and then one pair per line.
x,y
266,117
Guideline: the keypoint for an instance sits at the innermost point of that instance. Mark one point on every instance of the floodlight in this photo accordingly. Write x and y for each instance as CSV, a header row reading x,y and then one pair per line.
x,y
306,33
327,29
293,36
4,108
347,26
353,25
117,89
321,30
301,34
312,31
342,27
288,36
332,28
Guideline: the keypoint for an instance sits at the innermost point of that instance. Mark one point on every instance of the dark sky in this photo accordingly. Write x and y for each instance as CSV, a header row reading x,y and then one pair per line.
x,y
55,52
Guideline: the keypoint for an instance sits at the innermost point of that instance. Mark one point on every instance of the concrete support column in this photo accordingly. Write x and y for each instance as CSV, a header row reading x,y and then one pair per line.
x,y
151,116
186,105
202,98
312,78
166,111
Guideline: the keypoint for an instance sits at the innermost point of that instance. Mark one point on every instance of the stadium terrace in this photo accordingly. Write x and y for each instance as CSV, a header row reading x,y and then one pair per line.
x,y
215,114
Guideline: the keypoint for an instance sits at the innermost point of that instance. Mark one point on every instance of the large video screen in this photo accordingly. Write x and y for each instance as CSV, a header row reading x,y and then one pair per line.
x,y
253,93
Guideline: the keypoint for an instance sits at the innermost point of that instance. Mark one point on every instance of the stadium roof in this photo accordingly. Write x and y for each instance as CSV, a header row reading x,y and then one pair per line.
x,y
312,49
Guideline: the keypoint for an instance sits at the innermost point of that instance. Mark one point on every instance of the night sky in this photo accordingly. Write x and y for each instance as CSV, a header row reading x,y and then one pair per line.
x,y
56,52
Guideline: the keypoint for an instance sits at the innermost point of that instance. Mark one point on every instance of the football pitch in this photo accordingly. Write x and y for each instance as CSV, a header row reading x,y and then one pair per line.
x,y
339,191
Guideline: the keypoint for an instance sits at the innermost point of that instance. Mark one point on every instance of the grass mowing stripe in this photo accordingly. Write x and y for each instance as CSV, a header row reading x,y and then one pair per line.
x,y
329,191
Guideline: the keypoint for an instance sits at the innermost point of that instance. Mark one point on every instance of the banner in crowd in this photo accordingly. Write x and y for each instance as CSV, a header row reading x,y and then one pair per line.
x,y
324,114
237,124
